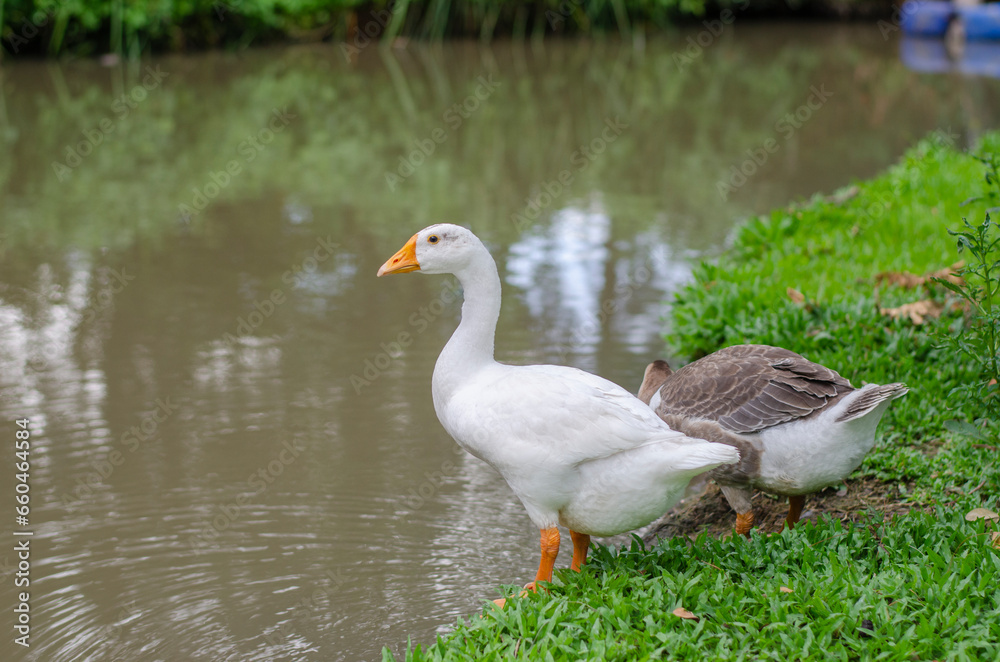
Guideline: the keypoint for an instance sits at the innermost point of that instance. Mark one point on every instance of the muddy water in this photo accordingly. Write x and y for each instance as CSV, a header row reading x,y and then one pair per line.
x,y
234,453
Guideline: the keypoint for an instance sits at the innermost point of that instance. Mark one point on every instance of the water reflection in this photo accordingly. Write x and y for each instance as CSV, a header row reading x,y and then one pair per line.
x,y
569,257
235,451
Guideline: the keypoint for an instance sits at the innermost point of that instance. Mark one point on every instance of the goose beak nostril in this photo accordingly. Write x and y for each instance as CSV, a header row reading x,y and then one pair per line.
x,y
403,261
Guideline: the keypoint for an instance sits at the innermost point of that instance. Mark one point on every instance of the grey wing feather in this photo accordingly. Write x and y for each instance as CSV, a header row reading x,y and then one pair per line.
x,y
870,398
748,388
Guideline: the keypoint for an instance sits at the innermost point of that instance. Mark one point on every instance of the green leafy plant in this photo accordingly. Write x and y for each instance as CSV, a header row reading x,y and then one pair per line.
x,y
978,335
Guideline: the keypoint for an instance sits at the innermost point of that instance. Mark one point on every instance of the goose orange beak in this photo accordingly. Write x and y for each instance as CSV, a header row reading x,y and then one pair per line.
x,y
404,261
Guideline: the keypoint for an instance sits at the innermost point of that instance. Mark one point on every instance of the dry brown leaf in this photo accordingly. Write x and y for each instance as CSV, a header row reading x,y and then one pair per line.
x,y
948,273
900,278
909,281
795,295
981,513
840,197
684,613
916,311
785,589
996,539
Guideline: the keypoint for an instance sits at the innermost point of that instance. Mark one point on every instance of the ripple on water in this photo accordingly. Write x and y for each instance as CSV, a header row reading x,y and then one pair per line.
x,y
138,588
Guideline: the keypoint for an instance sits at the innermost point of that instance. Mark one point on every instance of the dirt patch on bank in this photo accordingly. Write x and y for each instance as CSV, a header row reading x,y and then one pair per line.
x,y
710,512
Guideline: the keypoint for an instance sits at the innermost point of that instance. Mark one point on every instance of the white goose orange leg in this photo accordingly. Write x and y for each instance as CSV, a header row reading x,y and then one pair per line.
x,y
581,545
550,549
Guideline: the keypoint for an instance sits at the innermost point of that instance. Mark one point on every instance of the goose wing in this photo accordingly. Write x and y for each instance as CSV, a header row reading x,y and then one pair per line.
x,y
747,388
553,414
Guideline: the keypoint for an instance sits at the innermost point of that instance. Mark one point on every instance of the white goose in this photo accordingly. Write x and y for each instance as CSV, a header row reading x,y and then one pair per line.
x,y
799,426
576,449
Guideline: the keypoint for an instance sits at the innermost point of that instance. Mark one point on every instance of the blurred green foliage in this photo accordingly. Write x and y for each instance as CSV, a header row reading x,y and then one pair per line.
x,y
134,26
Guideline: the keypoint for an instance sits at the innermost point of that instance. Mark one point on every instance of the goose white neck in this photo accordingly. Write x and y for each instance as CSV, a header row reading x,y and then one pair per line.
x,y
471,346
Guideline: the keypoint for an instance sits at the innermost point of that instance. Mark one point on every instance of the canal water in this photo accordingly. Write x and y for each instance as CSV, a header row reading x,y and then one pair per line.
x,y
234,454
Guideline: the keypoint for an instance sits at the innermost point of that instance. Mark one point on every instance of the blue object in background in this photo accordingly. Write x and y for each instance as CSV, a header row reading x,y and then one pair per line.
x,y
927,55
926,18
981,58
981,23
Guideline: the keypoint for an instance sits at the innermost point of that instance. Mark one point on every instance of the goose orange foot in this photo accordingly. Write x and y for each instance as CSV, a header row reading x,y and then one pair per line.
x,y
744,522
550,549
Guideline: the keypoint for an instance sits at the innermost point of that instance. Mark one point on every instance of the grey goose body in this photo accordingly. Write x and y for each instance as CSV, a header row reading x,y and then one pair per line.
x,y
799,426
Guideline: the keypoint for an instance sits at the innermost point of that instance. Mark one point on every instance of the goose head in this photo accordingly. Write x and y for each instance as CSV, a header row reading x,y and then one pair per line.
x,y
438,249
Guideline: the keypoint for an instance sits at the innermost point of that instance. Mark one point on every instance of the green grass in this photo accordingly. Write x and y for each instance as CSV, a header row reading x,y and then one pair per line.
x,y
924,583
927,583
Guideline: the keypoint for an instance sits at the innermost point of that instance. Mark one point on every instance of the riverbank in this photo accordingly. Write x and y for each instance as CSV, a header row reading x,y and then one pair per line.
x,y
840,279
47,27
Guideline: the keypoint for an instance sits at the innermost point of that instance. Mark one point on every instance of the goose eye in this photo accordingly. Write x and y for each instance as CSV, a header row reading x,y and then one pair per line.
x,y
433,239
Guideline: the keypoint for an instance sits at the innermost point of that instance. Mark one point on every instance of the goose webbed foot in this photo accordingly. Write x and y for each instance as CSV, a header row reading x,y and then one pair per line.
x,y
550,549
